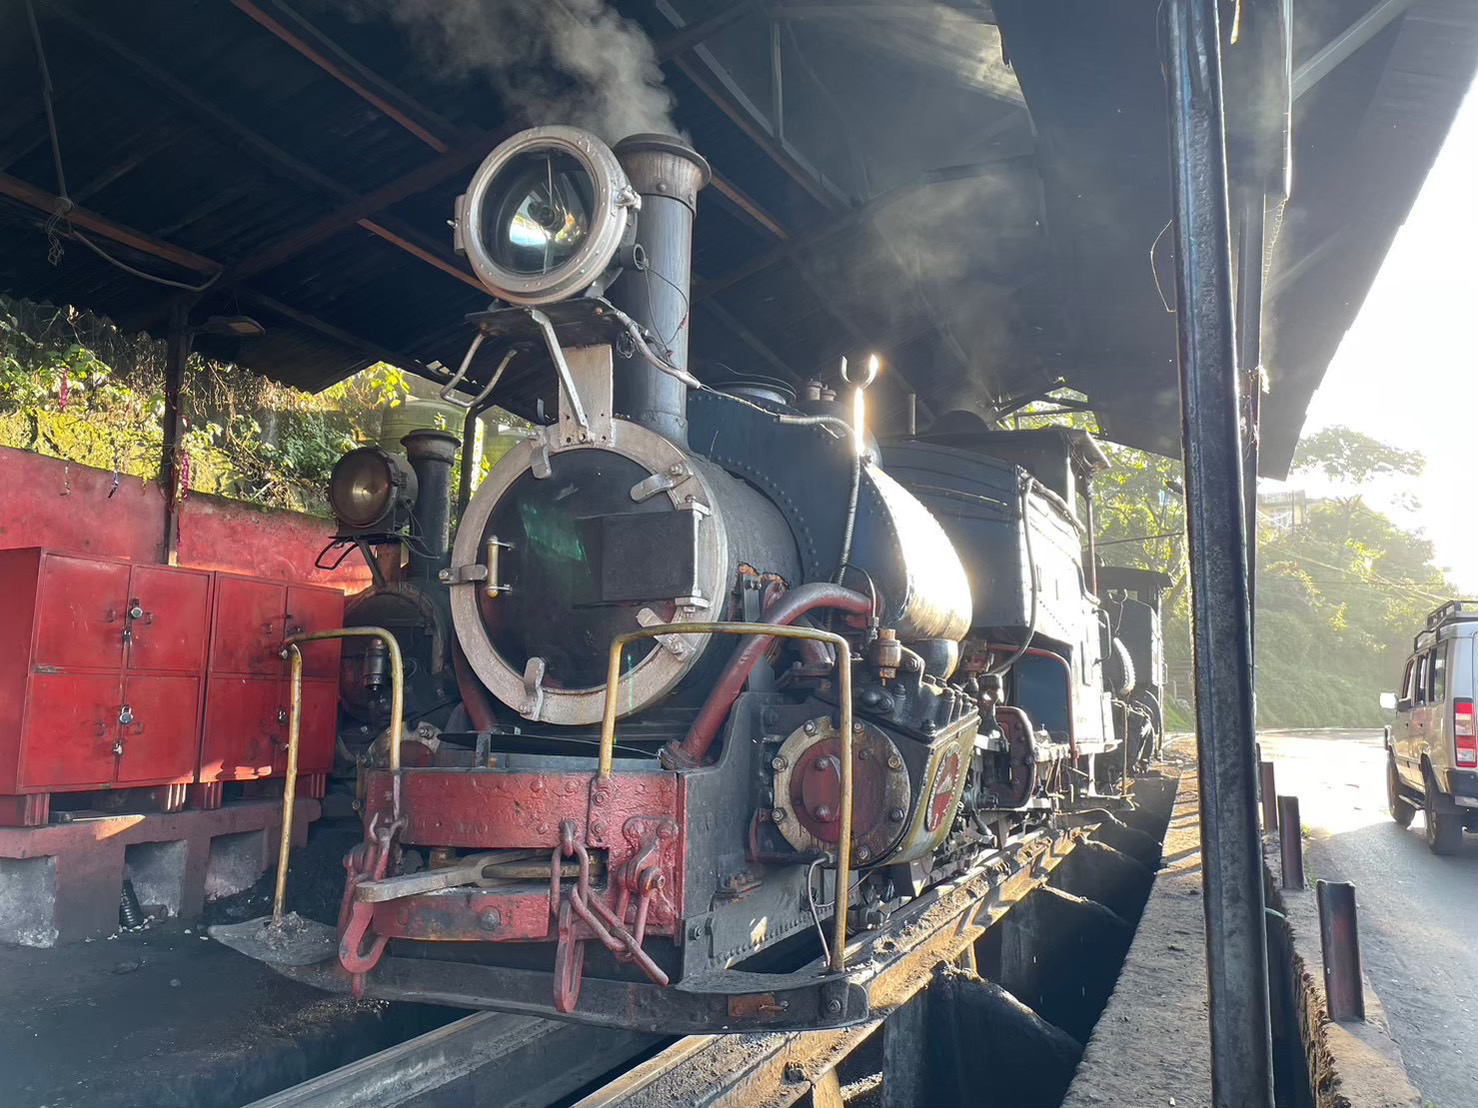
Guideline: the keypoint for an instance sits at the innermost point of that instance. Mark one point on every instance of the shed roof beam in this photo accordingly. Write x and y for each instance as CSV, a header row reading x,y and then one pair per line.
x,y
716,84
388,228
1351,39
45,203
321,51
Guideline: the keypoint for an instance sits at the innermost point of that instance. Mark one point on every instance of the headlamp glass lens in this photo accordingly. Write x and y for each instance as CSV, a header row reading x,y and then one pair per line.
x,y
360,489
538,212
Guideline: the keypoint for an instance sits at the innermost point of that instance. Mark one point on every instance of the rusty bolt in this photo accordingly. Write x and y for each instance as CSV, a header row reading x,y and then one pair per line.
x,y
896,815
857,728
490,920
810,727
824,813
666,831
778,815
863,853
536,785
833,1007
795,1073
778,763
543,828
597,829
895,762
695,932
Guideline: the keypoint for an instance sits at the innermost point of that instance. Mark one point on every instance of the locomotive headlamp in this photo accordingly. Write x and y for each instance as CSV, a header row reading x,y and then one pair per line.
x,y
545,215
371,491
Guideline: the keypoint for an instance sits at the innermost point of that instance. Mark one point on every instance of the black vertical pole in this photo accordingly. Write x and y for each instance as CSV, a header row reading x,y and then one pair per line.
x,y
177,354
1236,947
1251,257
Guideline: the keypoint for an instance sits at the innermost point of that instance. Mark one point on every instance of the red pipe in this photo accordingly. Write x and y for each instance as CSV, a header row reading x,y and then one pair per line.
x,y
474,698
787,609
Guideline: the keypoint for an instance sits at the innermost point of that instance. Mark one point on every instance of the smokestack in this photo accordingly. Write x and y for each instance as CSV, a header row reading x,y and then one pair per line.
x,y
667,173
431,453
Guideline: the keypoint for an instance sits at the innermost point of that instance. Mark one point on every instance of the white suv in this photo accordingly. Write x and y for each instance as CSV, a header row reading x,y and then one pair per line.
x,y
1433,746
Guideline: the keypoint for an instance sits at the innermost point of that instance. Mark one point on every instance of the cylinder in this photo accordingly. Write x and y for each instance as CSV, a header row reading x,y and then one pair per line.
x,y
431,454
667,174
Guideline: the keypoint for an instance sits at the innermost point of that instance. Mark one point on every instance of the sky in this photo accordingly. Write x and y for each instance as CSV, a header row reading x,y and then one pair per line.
x,y
1407,370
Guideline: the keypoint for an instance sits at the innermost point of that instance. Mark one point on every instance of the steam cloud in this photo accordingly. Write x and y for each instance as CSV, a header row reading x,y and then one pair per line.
x,y
551,61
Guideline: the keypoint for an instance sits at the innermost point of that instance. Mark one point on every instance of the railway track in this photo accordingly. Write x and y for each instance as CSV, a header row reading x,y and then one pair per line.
x,y
510,1060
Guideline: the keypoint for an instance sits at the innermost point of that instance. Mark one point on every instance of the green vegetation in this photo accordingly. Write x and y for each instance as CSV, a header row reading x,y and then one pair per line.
x,y
1341,592
73,386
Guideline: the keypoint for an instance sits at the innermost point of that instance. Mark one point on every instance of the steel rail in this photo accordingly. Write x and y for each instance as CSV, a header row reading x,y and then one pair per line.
x,y
537,1061
764,1069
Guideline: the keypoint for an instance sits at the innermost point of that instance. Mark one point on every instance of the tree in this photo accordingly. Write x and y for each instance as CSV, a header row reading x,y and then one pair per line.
x,y
1340,595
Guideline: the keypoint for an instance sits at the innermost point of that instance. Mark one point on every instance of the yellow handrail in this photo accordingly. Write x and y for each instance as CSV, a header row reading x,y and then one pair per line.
x,y
844,687
294,730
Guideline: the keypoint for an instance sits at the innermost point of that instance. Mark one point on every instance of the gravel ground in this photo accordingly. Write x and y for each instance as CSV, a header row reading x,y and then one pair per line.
x,y
1418,912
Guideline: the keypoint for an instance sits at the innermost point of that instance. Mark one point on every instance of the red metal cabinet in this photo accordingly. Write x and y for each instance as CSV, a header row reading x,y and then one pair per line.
x,y
99,672
80,621
158,728
160,639
247,688
248,628
71,726
245,726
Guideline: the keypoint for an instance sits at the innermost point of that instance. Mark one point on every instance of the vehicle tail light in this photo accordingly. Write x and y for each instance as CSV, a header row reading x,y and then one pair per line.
x,y
1465,733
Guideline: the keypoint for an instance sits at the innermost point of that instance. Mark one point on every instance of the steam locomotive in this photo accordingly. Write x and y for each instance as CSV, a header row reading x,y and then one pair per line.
x,y
707,677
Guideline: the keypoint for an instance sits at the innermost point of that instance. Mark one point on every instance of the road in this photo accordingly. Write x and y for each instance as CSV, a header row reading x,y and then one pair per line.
x,y
1418,912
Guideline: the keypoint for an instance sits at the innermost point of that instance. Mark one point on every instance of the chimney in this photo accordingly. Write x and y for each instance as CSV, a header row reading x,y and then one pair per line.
x,y
667,173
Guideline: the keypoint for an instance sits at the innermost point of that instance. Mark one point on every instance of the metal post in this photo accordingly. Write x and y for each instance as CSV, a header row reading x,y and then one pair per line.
x,y
1251,258
1290,843
1339,935
1269,798
177,354
1236,958
290,782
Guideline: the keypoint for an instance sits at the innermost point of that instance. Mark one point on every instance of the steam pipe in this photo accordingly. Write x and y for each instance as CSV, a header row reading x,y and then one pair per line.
x,y
1231,845
431,454
667,174
790,607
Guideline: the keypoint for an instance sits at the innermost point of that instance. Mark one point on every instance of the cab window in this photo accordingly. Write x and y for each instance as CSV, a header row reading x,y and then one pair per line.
x,y
1408,684
1420,683
1437,675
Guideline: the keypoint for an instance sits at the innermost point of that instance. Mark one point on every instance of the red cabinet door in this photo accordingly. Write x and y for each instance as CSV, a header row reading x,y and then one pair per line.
x,y
79,619
245,727
174,622
71,723
248,626
318,732
159,741
316,610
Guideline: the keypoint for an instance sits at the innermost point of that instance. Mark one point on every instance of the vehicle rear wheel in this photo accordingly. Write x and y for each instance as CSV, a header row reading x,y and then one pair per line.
x,y
1444,828
1403,811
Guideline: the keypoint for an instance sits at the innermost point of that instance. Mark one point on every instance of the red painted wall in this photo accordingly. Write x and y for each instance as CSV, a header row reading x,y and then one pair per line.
x,y
65,506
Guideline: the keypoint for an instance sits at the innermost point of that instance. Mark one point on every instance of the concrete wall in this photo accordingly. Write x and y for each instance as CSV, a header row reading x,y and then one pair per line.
x,y
65,506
